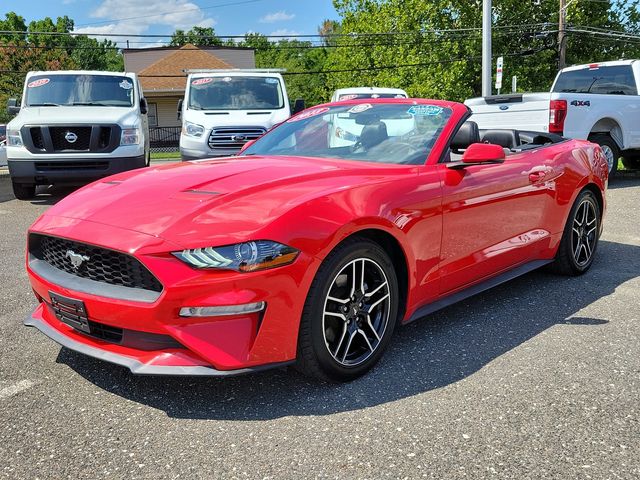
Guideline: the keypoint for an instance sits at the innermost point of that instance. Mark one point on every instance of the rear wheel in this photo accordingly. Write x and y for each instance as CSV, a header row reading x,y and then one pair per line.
x,y
609,148
350,312
23,191
580,238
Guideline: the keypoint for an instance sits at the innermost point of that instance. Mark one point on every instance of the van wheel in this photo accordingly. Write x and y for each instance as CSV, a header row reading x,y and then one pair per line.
x,y
23,191
609,148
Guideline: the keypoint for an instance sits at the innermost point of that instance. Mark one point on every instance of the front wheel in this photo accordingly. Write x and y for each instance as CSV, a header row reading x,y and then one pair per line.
x,y
23,191
580,238
350,312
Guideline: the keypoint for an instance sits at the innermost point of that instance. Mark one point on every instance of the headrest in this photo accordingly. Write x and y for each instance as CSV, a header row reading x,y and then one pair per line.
x,y
373,134
504,138
467,135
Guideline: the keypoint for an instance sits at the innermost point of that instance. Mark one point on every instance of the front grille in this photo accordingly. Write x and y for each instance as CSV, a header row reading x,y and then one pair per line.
x,y
104,137
36,138
71,166
233,137
97,263
105,332
61,136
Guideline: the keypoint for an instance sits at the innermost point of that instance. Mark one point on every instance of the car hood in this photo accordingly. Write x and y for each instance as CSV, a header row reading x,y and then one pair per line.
x,y
124,116
215,202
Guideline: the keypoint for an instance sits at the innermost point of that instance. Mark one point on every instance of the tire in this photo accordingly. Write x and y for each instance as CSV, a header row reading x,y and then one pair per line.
x,y
23,191
580,238
338,341
609,148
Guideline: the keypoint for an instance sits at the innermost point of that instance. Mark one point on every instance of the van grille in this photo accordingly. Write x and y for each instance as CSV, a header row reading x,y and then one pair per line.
x,y
70,138
233,138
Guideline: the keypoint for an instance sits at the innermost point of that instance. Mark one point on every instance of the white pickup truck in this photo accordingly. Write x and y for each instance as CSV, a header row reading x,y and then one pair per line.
x,y
598,102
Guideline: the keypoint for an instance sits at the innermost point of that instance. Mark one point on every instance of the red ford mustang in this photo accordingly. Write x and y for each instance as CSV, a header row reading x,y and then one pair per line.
x,y
314,244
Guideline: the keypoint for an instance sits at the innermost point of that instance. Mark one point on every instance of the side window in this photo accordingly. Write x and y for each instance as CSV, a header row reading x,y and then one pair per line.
x,y
152,115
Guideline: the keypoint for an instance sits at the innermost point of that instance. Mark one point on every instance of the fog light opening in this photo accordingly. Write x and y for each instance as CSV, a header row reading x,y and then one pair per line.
x,y
221,311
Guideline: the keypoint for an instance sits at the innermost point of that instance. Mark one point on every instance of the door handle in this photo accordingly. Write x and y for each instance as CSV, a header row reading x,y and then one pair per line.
x,y
537,176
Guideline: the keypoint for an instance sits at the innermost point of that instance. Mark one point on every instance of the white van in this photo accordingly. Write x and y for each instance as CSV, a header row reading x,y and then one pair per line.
x,y
74,127
224,109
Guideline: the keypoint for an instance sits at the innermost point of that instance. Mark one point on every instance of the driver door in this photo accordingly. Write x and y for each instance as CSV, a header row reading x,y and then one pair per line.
x,y
492,218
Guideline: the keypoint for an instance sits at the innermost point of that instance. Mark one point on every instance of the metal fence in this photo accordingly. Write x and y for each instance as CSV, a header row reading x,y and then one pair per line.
x,y
164,139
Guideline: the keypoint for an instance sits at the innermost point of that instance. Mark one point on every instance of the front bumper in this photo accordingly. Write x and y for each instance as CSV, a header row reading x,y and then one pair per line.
x,y
153,365
70,169
199,154
234,343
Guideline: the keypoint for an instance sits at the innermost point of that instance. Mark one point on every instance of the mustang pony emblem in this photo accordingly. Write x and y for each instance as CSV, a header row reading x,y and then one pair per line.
x,y
76,259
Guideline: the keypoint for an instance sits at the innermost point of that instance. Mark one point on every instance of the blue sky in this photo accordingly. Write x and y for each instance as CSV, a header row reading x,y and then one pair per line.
x,y
228,17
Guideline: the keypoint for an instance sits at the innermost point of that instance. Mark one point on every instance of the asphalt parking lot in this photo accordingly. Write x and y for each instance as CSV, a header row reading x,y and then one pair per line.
x,y
538,378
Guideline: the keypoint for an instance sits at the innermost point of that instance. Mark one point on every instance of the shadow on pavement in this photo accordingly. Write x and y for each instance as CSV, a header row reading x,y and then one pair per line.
x,y
630,179
45,194
431,353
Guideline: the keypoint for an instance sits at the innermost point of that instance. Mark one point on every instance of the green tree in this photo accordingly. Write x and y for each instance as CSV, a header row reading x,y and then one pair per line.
x,y
200,36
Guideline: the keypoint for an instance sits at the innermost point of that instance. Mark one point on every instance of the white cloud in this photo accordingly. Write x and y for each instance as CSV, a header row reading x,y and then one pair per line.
x,y
281,16
282,33
133,18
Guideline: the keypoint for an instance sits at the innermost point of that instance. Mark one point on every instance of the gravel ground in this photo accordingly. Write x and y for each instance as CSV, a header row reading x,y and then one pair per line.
x,y
538,378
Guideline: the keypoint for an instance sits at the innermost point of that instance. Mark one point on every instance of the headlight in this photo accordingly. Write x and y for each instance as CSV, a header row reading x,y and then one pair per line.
x,y
192,129
14,138
130,136
242,257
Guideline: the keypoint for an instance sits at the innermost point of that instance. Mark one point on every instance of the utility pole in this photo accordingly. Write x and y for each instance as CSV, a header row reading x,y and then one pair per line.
x,y
562,43
486,48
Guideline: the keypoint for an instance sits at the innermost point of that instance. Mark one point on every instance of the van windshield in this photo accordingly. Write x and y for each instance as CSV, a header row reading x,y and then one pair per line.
x,y
235,93
81,90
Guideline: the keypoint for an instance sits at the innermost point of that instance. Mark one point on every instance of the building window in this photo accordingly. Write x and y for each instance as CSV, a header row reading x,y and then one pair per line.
x,y
152,114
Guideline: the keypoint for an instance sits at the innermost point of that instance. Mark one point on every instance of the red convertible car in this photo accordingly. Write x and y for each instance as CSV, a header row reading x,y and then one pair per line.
x,y
312,245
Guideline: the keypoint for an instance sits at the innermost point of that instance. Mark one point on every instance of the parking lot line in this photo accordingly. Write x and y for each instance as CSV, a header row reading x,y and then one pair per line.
x,y
16,388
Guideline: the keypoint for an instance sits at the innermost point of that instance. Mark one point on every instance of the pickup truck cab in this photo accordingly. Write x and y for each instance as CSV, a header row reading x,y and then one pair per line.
x,y
597,102
73,127
224,109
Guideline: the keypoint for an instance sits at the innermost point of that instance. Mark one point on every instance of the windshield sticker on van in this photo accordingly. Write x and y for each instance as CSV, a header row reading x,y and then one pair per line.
x,y
348,97
425,110
309,113
363,107
201,81
126,84
38,83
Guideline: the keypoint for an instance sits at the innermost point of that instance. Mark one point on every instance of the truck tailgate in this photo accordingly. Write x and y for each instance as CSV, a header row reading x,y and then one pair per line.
x,y
529,111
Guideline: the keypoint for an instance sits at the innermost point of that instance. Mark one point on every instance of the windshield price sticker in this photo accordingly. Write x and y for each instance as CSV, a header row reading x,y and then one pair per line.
x,y
126,85
363,107
201,81
425,110
308,114
348,97
38,83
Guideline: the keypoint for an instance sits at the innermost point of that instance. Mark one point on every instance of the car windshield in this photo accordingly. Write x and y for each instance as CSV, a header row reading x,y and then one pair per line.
x,y
79,90
235,93
368,132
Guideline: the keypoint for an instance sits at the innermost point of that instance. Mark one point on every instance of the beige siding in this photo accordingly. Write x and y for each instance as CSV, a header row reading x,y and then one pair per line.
x,y
166,108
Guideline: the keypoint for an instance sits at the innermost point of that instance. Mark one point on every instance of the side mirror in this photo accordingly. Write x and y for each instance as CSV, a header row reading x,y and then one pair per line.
x,y
298,106
180,108
144,107
12,106
246,145
479,153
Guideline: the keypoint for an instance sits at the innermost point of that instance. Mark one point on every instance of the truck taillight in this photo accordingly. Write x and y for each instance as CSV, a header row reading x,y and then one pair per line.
x,y
557,115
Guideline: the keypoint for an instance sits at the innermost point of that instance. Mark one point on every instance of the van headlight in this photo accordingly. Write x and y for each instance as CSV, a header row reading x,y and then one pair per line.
x,y
14,139
130,136
241,257
192,129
